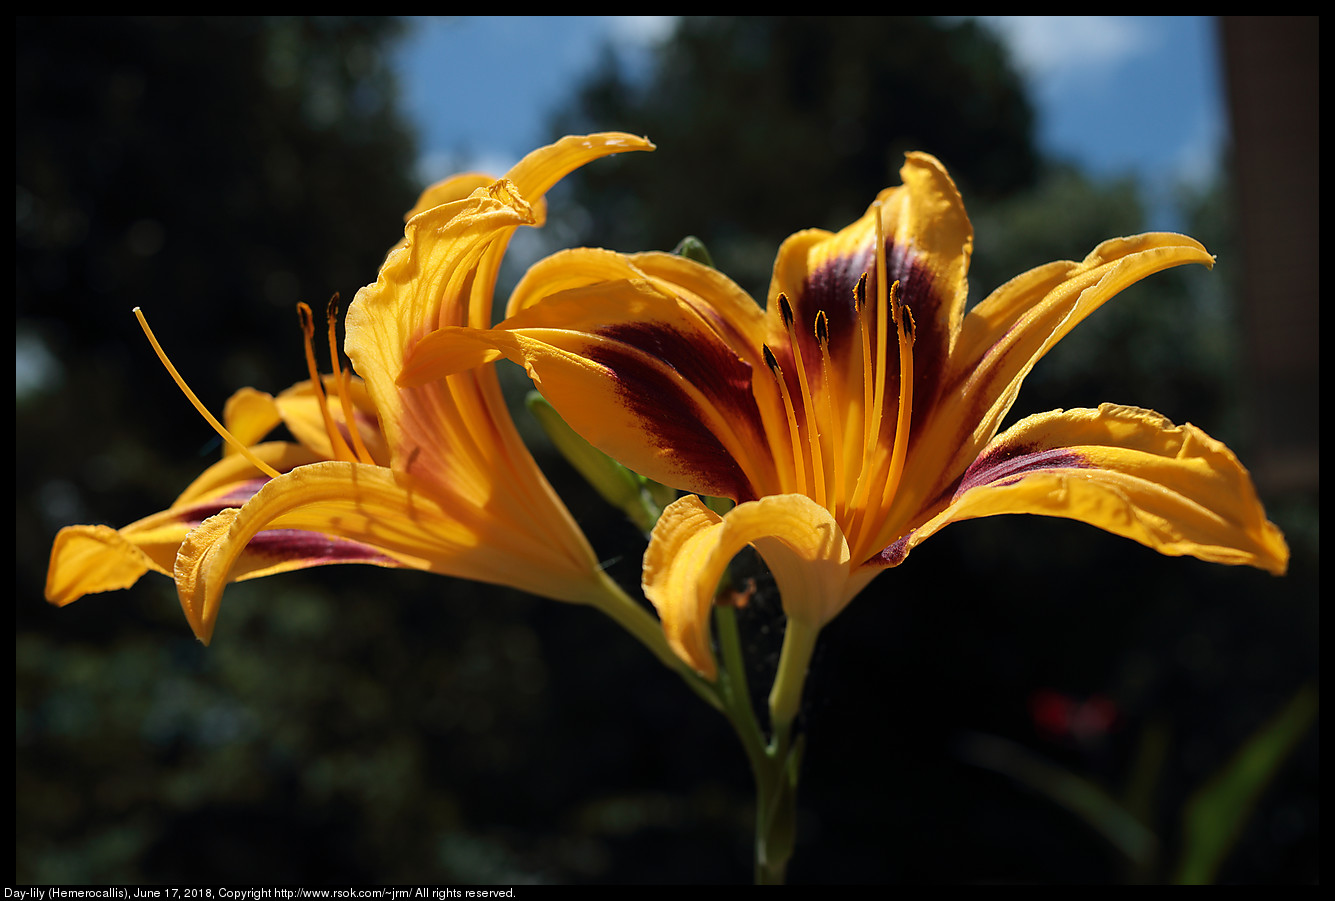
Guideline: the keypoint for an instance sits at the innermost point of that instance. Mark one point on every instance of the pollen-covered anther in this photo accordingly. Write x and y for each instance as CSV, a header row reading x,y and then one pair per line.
x,y
342,377
339,445
830,410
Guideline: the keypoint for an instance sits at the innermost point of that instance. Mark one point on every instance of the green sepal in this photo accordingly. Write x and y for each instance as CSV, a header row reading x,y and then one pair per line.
x,y
692,248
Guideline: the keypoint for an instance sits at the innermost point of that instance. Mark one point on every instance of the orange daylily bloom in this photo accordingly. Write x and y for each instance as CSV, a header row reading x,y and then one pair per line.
x,y
859,412
431,477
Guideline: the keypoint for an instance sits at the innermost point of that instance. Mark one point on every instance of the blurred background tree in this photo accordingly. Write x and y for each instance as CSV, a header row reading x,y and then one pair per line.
x,y
356,726
766,125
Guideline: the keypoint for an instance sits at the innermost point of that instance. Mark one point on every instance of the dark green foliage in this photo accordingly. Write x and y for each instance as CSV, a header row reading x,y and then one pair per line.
x,y
766,125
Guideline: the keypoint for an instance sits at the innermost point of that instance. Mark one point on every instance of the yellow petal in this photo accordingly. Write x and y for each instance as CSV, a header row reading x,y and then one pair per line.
x,y
929,242
337,512
299,409
638,374
676,581
1128,471
96,558
1001,340
691,547
88,559
450,190
537,172
249,415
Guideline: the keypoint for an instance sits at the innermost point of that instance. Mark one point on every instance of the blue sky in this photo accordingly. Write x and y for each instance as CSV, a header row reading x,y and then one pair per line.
x,y
1119,95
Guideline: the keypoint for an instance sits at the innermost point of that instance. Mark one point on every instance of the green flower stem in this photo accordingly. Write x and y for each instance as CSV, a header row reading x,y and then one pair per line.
x,y
734,690
799,641
776,763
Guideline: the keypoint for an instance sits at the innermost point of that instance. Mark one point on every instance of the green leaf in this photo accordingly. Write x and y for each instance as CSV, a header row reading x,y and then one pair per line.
x,y
1080,796
1214,816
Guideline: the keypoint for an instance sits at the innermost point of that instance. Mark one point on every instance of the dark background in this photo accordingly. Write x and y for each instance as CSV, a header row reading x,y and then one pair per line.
x,y
362,725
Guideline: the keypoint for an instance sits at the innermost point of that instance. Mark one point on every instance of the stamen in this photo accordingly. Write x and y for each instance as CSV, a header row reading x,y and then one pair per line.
x,y
875,391
799,459
341,451
860,307
203,411
882,314
862,518
808,408
834,429
905,330
903,421
342,378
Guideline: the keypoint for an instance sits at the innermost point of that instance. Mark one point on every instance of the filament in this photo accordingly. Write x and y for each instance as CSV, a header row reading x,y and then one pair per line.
x,y
808,408
905,328
341,451
343,378
836,430
799,459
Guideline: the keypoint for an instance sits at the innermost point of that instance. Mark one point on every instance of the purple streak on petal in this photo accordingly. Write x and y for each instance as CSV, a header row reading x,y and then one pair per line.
x,y
1005,465
893,554
829,287
316,547
236,496
675,421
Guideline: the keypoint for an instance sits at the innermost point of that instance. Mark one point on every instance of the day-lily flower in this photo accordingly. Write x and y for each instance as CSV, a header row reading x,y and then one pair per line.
x,y
858,413
431,477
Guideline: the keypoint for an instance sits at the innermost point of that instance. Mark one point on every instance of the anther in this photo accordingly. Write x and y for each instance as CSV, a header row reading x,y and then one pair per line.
x,y
799,459
342,379
340,448
904,417
834,428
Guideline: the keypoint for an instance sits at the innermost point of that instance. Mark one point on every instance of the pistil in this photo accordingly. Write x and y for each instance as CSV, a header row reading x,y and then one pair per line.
x,y
198,405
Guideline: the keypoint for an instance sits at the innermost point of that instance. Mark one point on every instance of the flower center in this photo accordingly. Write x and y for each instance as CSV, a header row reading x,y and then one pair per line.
x,y
851,465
